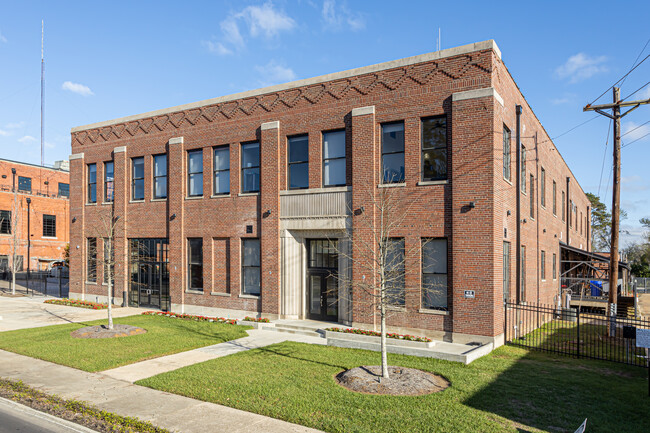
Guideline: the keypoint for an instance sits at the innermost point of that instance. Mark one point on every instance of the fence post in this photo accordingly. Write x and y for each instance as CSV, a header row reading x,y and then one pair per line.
x,y
578,322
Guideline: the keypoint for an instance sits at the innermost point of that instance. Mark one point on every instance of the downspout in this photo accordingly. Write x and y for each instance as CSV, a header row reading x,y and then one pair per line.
x,y
518,210
538,201
569,212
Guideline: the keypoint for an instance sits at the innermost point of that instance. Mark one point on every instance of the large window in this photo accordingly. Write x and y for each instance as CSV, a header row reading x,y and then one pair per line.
x,y
108,181
506,271
24,184
434,148
554,198
563,208
523,169
394,271
434,273
92,183
542,188
542,266
298,162
49,226
160,176
570,215
532,196
523,274
5,222
334,158
506,152
392,152
250,266
137,178
250,167
554,266
195,263
195,173
64,189
221,170
91,260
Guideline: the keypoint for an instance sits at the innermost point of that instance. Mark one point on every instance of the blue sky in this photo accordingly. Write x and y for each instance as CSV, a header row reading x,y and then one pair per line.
x,y
108,62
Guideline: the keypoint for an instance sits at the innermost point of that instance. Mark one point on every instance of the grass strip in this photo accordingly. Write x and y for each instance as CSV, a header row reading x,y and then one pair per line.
x,y
77,303
73,410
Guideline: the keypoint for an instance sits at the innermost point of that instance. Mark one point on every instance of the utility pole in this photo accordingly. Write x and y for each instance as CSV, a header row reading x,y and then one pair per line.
x,y
616,116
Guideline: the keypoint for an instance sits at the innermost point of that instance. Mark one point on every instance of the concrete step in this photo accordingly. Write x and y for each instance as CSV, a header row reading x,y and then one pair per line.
x,y
294,329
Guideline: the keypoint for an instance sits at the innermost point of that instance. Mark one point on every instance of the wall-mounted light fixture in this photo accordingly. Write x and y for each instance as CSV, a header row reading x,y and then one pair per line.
x,y
267,213
508,213
74,219
172,217
472,205
46,182
359,211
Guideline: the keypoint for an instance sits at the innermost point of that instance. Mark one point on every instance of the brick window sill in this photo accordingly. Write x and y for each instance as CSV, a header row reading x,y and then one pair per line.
x,y
104,203
246,194
136,201
227,295
158,199
432,182
49,237
91,204
94,283
194,292
392,185
220,195
194,197
241,295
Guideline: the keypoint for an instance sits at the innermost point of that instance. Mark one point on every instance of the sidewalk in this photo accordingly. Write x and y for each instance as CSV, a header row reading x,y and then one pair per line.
x,y
256,338
163,409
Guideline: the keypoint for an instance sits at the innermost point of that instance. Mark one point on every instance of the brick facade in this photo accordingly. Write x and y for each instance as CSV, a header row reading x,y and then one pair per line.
x,y
469,86
45,199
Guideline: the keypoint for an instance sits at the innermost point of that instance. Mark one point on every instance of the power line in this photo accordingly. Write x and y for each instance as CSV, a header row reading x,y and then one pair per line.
x,y
632,130
604,157
635,91
639,55
622,78
634,141
575,127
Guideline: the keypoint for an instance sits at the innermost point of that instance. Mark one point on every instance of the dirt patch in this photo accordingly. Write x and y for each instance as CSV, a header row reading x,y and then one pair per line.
x,y
102,331
401,381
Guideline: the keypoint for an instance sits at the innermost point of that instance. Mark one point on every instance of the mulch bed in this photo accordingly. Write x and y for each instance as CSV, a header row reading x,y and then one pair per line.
x,y
102,331
401,381
75,411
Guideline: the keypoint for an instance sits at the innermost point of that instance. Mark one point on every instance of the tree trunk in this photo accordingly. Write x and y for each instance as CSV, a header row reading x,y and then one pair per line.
x,y
384,357
13,277
110,301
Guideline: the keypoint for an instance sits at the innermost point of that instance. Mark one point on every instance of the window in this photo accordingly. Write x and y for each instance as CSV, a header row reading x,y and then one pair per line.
x,y
64,189
195,263
160,176
298,162
251,266
250,167
221,170
392,152
91,260
554,198
532,196
137,186
434,273
506,153
523,169
570,216
5,222
24,184
195,173
542,188
49,226
506,271
554,266
434,148
522,297
563,207
394,274
334,158
543,265
580,223
108,181
92,183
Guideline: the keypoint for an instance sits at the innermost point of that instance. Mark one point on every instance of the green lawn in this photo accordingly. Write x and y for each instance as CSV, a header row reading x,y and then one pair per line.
x,y
509,390
164,336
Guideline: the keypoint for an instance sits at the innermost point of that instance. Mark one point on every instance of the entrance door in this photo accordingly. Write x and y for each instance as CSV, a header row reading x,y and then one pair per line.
x,y
149,289
322,280
149,273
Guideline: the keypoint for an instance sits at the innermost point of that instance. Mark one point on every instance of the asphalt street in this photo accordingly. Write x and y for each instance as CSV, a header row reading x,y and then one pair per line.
x,y
15,417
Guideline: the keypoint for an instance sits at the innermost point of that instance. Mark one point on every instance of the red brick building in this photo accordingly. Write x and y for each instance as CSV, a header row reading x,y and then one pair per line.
x,y
47,190
232,206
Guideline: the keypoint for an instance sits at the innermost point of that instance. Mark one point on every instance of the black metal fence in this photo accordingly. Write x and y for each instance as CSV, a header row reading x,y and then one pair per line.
x,y
38,283
570,332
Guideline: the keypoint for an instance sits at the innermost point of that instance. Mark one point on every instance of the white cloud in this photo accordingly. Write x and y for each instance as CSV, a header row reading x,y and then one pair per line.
x,y
15,125
26,139
262,21
580,67
274,73
633,131
336,18
2,38
77,88
4,133
560,101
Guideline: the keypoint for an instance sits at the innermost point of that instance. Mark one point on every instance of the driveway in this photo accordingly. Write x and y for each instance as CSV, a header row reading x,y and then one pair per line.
x,y
26,312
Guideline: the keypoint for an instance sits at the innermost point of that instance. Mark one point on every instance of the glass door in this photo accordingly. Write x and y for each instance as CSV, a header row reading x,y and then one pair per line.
x,y
322,271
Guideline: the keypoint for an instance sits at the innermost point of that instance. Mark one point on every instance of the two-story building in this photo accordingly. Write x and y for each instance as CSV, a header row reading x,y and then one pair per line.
x,y
245,204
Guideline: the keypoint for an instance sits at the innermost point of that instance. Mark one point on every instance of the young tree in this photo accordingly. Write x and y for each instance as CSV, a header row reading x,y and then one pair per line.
x,y
16,211
106,229
377,251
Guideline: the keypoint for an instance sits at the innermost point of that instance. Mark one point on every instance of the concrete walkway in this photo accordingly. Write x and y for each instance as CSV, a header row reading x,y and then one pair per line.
x,y
166,410
25,312
256,338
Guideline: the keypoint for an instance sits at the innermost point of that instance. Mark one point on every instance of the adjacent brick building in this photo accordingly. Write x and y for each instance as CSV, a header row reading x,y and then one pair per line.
x,y
241,204
47,190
